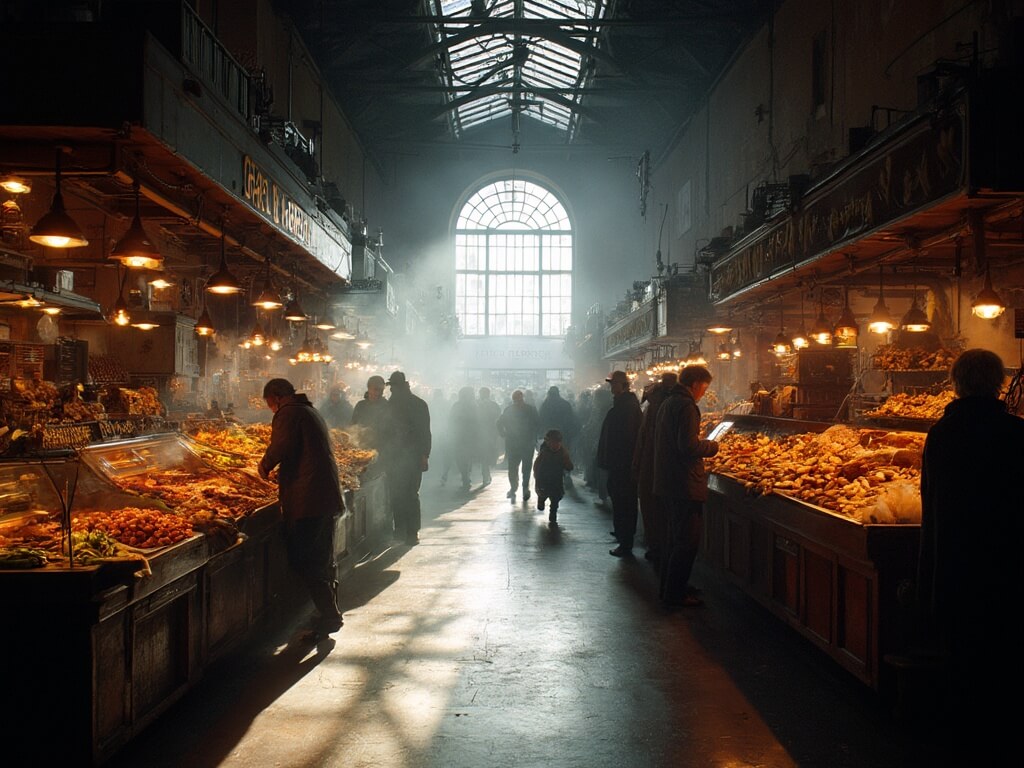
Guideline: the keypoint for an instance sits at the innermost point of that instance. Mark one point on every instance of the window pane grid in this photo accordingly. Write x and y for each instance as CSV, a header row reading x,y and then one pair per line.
x,y
513,262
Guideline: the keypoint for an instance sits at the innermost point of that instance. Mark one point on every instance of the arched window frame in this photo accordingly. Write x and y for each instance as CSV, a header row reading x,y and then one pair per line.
x,y
513,260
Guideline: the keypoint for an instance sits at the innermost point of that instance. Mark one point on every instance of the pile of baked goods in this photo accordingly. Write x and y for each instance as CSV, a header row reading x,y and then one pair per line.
x,y
872,476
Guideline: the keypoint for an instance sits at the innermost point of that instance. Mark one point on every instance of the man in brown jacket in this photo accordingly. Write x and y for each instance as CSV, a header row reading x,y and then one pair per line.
x,y
309,494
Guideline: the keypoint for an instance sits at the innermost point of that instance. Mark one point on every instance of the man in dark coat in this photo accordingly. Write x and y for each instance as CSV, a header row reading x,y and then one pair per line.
x,y
410,451
371,424
518,425
557,413
464,434
681,482
490,412
970,582
615,449
336,409
651,512
309,495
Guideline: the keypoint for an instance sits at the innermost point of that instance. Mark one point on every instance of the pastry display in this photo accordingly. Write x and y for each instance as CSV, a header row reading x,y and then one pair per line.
x,y
872,476
908,406
889,357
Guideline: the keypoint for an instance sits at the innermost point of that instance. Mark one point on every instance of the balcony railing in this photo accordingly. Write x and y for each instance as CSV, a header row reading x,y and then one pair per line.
x,y
212,62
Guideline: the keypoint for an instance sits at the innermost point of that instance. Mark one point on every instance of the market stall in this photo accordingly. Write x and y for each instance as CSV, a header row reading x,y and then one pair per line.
x,y
820,523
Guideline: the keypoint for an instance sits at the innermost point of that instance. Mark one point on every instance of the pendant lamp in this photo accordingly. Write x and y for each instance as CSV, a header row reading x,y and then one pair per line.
x,y
737,349
204,325
880,320
119,311
987,305
269,297
915,321
846,331
783,345
56,229
135,249
821,332
800,338
223,282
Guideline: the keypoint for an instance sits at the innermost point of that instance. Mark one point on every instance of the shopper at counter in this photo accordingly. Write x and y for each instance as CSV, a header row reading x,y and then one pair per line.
x,y
681,482
309,493
970,583
336,409
371,423
651,511
410,455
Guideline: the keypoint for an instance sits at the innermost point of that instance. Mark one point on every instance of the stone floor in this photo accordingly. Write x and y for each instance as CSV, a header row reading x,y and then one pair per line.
x,y
500,641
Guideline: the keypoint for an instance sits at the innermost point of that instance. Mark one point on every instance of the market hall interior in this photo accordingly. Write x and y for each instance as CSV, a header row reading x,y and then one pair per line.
x,y
501,641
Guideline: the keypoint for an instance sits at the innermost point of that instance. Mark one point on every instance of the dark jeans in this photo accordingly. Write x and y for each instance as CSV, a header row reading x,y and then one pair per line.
x,y
310,545
519,458
404,480
685,526
622,491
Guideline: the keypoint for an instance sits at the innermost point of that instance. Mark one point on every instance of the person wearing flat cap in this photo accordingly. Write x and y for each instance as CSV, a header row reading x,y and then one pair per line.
x,y
615,449
410,451
371,424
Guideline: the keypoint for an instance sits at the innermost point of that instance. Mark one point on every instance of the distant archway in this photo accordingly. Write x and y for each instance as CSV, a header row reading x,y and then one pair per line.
x,y
513,262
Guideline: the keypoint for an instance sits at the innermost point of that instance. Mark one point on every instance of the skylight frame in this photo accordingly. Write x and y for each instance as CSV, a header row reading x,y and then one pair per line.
x,y
485,62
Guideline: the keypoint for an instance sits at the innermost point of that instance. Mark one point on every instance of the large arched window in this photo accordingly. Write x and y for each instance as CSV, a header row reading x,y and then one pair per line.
x,y
513,262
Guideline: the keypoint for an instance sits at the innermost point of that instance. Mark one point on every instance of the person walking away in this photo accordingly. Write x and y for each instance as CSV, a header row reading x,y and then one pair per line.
x,y
681,482
518,427
410,454
590,436
490,412
371,424
615,449
309,494
336,409
557,413
464,434
970,574
549,469
651,512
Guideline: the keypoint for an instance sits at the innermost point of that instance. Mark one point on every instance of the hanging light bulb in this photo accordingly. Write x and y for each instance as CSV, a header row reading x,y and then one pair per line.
x,y
915,321
987,304
56,229
15,185
724,352
223,282
800,338
51,310
257,338
880,320
135,249
783,345
160,283
269,298
145,325
719,328
294,312
846,331
737,349
324,324
821,332
204,325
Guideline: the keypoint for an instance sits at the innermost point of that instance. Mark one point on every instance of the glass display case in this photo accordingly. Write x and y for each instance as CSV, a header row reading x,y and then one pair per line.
x,y
832,577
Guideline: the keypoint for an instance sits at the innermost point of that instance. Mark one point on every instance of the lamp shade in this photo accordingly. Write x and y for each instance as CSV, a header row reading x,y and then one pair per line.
x,y
293,311
223,282
56,229
915,321
846,331
719,328
204,325
987,305
821,331
135,249
15,185
782,345
269,298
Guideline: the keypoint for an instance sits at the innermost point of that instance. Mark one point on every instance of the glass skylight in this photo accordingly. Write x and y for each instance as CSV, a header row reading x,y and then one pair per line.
x,y
500,68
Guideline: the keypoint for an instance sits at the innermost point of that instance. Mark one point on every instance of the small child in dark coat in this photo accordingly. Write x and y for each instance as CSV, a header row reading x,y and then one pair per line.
x,y
549,469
